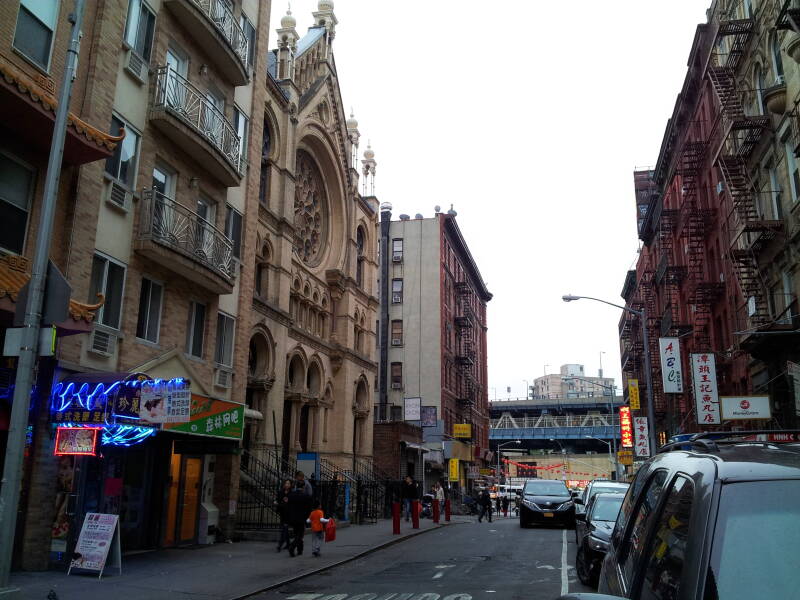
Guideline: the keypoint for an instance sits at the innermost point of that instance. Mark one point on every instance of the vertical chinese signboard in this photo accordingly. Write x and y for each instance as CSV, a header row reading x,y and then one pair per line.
x,y
706,396
642,446
633,394
671,376
625,426
453,469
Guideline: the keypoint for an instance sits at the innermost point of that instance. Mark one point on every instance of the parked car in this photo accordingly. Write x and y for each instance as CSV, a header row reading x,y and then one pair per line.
x,y
596,487
593,530
546,501
708,519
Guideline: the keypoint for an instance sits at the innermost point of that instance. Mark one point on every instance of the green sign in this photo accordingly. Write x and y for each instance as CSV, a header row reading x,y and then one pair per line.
x,y
213,418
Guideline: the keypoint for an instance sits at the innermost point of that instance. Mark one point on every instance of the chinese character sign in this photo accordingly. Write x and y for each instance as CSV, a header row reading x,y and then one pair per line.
x,y
633,394
706,396
625,426
453,469
642,447
671,375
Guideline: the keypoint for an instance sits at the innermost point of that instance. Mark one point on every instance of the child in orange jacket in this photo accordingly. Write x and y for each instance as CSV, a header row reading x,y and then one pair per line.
x,y
317,520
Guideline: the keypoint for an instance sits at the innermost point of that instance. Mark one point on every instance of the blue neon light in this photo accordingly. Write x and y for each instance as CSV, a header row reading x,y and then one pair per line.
x,y
118,435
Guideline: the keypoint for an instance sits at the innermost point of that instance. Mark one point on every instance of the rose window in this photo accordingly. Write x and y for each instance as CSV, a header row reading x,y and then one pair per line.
x,y
310,206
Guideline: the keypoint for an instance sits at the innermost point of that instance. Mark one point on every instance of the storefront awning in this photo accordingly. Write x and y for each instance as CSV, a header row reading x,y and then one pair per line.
x,y
415,446
250,413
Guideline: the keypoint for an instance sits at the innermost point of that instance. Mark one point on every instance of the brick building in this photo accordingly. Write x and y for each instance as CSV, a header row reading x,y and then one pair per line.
x,y
718,220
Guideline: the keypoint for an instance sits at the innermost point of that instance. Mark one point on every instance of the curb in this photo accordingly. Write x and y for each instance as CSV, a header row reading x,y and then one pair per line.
x,y
361,554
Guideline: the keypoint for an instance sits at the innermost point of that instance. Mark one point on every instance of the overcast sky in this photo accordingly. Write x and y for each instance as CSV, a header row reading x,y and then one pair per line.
x,y
529,117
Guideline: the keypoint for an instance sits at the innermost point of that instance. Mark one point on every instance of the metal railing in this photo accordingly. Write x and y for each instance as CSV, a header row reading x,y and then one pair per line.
x,y
173,225
509,422
259,482
220,14
175,94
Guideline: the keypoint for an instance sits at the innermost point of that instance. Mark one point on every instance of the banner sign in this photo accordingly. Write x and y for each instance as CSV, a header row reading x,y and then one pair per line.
x,y
625,426
794,372
671,376
633,394
453,469
625,457
212,417
76,441
462,430
473,472
98,535
642,447
740,408
428,417
706,396
165,401
412,409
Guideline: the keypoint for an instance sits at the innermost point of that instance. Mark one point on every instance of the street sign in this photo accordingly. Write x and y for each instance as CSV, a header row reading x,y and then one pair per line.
x,y
633,394
741,408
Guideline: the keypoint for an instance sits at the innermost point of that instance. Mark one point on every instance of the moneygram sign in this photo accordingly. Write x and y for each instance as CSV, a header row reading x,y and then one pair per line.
x,y
741,408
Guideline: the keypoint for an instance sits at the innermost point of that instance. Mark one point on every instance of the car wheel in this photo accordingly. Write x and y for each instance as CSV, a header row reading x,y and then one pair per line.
x,y
584,568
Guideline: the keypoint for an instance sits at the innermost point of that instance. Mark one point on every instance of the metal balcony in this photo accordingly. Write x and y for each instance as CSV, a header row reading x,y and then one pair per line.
x,y
215,28
184,242
183,113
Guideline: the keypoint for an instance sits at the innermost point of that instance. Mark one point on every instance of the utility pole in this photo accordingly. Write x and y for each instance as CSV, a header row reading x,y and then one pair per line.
x,y
29,350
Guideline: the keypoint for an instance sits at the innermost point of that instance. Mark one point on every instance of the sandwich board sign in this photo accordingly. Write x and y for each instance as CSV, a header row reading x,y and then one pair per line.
x,y
99,536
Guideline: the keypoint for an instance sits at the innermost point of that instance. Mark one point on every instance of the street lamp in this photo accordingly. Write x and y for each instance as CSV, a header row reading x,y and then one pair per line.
x,y
498,454
614,461
651,411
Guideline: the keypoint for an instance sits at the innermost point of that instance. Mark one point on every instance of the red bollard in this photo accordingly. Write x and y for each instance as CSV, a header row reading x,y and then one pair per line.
x,y
447,510
396,518
435,511
415,514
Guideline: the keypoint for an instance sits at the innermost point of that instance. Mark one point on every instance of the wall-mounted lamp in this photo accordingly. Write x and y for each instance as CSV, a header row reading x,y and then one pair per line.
x,y
204,70
194,183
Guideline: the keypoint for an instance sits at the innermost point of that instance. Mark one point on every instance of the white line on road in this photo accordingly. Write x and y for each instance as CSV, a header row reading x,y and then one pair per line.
x,y
439,575
564,566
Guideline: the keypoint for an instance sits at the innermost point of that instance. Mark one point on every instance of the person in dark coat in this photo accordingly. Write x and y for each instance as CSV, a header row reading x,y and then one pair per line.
x,y
485,502
410,492
506,502
281,507
297,511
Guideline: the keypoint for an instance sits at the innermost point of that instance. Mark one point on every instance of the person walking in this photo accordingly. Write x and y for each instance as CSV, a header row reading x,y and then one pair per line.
x,y
317,521
297,511
506,502
410,492
485,502
438,491
281,507
301,481
497,502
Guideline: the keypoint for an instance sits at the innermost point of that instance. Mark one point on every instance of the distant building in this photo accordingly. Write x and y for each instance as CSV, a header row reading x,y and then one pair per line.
x,y
572,382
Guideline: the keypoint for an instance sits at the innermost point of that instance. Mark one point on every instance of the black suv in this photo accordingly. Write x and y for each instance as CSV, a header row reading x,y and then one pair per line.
x,y
598,486
709,519
592,531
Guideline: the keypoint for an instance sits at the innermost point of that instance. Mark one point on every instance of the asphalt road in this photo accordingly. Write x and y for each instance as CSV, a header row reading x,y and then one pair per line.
x,y
497,561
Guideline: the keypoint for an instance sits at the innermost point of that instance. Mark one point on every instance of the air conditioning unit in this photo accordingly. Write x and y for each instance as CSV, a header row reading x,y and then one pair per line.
x,y
397,257
720,187
118,195
397,298
136,66
222,378
397,341
396,385
102,343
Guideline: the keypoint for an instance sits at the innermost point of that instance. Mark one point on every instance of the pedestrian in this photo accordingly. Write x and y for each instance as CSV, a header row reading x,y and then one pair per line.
x,y
410,492
298,508
282,507
506,502
485,502
497,501
438,491
300,480
317,521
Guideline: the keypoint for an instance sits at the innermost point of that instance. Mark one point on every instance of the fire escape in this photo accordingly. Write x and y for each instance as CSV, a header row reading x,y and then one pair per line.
x,y
668,275
733,138
465,348
653,325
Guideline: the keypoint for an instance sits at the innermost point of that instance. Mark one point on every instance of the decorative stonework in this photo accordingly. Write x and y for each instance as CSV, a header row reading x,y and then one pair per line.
x,y
310,210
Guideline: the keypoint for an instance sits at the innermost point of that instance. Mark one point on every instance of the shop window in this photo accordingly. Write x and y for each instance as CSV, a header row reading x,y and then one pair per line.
x,y
223,353
16,188
139,28
122,164
233,230
108,279
36,26
195,332
149,320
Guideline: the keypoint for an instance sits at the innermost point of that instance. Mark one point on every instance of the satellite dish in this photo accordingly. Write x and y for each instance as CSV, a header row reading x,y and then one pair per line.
x,y
418,216
437,208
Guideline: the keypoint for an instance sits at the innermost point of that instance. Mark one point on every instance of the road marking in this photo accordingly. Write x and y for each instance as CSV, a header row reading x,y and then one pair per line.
x,y
564,566
444,566
550,567
439,575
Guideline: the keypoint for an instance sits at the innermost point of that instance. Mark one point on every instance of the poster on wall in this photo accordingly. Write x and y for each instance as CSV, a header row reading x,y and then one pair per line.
x,y
99,536
704,381
671,376
76,441
411,409
428,416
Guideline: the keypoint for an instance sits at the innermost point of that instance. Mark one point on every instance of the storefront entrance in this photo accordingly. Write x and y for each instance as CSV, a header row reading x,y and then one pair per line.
x,y
183,500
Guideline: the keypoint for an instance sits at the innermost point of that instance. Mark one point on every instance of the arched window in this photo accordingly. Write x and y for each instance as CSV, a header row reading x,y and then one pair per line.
x,y
266,145
360,257
758,84
777,60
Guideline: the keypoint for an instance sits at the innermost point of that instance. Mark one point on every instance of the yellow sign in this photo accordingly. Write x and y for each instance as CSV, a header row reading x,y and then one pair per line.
x,y
625,457
453,469
633,394
462,430
485,471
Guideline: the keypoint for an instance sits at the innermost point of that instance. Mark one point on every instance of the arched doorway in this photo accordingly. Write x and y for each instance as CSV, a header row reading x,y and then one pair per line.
x,y
360,412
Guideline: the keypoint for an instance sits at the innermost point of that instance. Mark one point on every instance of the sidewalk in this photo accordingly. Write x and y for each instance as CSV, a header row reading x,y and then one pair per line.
x,y
219,572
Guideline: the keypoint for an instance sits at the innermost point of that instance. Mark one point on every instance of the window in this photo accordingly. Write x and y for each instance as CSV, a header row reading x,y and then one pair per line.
x,y
233,229
397,291
777,60
266,143
360,257
196,329
262,279
396,413
36,25
223,354
139,28
633,546
791,168
240,123
149,320
397,333
397,250
108,279
758,81
122,164
397,375
16,187
250,36
667,551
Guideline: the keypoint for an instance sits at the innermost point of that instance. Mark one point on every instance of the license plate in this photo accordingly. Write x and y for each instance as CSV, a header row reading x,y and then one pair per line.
x,y
547,514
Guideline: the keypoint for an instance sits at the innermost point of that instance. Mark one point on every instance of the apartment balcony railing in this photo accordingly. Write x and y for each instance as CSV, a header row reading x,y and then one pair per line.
x,y
216,29
185,114
184,242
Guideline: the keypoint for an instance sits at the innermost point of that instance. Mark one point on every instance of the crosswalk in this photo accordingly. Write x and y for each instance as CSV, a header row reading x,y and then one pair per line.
x,y
384,596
